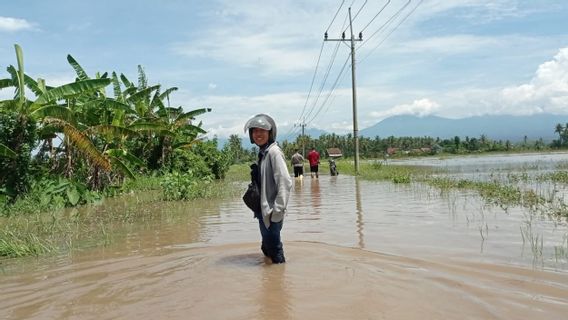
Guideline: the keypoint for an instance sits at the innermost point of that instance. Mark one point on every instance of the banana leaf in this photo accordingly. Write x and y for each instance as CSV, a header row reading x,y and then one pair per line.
x,y
54,111
192,114
122,167
81,74
112,131
123,154
6,152
82,143
72,89
6,83
143,94
20,58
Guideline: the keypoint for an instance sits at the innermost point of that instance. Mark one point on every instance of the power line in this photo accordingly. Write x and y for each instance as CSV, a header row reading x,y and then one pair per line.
x,y
383,8
334,55
341,5
396,27
355,17
389,21
291,130
313,80
361,8
331,90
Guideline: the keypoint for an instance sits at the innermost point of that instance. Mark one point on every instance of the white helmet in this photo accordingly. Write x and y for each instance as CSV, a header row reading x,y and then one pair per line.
x,y
262,121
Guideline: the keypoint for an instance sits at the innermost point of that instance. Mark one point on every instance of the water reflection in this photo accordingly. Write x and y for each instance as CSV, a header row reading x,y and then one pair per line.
x,y
315,194
359,212
274,296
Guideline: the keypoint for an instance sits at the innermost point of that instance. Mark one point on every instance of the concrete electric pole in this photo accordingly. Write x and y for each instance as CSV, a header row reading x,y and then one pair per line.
x,y
353,86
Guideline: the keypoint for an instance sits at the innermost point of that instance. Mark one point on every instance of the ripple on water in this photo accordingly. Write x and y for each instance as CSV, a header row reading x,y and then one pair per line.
x,y
319,282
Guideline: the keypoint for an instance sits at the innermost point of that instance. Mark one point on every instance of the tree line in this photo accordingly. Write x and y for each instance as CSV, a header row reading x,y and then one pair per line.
x,y
377,147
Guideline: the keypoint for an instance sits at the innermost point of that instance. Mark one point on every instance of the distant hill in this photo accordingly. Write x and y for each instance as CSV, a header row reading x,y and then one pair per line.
x,y
502,127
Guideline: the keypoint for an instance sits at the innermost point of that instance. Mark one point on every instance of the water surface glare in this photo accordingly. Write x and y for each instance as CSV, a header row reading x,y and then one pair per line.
x,y
356,250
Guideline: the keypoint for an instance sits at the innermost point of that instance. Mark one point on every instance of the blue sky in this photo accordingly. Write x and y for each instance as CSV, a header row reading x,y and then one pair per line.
x,y
450,58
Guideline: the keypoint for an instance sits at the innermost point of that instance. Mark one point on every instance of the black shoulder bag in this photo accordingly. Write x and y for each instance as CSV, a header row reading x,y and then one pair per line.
x,y
252,195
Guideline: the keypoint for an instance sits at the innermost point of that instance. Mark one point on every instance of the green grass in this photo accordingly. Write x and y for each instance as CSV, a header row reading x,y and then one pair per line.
x,y
379,170
492,192
15,244
32,229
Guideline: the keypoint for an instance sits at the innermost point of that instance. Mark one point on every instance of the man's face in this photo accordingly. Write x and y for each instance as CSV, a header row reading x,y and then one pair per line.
x,y
260,136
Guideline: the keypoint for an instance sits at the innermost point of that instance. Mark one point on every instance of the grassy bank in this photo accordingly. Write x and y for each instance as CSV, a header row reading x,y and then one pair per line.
x,y
33,228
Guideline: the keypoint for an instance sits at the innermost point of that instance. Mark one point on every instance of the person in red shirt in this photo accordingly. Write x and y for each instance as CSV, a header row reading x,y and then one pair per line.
x,y
314,159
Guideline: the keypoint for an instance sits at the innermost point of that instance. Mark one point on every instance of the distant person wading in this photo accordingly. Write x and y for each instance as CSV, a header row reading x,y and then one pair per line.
x,y
298,164
314,159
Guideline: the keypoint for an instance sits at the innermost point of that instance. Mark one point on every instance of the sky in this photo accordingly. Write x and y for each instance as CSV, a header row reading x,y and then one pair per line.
x,y
448,58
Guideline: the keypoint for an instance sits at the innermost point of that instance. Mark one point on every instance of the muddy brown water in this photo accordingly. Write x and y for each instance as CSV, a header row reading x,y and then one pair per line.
x,y
356,250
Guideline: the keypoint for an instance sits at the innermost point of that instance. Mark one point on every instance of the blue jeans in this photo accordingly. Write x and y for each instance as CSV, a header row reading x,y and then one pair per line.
x,y
271,242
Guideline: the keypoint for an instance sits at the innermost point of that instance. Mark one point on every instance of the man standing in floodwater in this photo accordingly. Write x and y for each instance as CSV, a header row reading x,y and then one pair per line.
x,y
274,184
298,164
314,159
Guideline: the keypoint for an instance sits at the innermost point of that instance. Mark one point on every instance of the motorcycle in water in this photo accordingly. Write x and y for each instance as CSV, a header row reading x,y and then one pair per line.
x,y
333,168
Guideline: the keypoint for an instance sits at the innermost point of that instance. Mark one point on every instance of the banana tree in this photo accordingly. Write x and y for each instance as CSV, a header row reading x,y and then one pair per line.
x,y
18,131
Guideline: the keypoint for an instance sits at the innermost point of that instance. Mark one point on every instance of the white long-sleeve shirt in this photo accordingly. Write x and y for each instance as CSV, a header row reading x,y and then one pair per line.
x,y
275,185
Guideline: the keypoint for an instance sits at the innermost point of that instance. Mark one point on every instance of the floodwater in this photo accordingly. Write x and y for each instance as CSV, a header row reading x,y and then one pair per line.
x,y
355,249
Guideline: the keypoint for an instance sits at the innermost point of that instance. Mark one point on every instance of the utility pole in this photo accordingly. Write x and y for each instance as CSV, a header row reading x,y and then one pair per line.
x,y
303,124
353,86
303,137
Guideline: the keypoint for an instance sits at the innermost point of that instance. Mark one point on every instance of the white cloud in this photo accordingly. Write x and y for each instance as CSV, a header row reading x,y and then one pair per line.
x,y
229,113
14,24
212,86
422,107
476,11
275,37
271,55
453,44
546,92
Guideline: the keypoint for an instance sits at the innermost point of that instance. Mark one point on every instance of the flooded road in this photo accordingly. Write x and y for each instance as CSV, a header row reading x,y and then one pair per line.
x,y
355,249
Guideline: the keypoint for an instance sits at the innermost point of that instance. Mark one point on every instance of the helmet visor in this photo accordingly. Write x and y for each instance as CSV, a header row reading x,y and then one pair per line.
x,y
258,122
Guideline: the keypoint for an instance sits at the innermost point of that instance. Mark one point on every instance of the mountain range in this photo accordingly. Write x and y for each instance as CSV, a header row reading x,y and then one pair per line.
x,y
495,127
